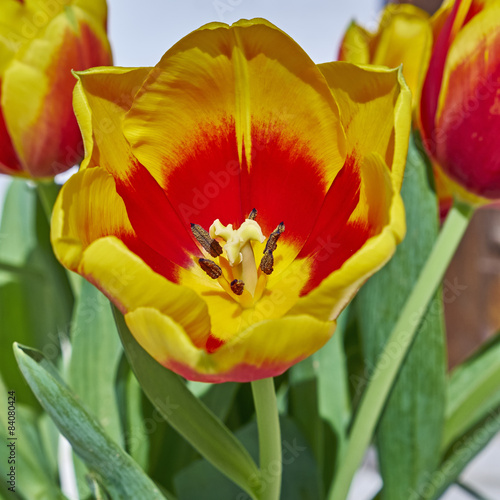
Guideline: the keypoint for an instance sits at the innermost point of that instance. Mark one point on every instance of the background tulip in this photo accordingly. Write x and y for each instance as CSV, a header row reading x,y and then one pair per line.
x,y
460,102
403,36
41,41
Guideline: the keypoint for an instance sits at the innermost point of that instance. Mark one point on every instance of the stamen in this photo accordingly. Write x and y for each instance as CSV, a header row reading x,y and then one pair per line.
x,y
253,214
211,268
267,262
274,237
237,286
211,245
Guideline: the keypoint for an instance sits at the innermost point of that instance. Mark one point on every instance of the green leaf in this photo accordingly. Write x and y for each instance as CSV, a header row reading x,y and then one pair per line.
x,y
473,391
35,298
189,416
410,430
136,431
460,453
333,390
34,475
304,407
95,354
121,476
300,473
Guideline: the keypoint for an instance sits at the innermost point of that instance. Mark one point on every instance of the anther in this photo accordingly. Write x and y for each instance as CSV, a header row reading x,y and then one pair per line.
x,y
274,237
267,262
211,245
211,268
253,214
237,286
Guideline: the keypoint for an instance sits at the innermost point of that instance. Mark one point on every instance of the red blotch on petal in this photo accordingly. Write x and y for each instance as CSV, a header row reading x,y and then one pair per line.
x,y
9,161
468,150
213,343
240,373
160,239
334,238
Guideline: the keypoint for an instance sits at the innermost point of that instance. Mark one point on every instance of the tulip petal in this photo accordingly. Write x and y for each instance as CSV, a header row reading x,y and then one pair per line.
x,y
9,161
405,38
375,108
469,106
100,116
37,86
355,46
91,195
233,118
130,284
264,350
358,243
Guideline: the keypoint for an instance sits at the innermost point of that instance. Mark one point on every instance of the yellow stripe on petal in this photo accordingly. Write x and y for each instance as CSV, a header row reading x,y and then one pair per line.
x,y
264,350
100,115
405,38
375,109
475,48
220,77
380,211
130,284
86,209
355,47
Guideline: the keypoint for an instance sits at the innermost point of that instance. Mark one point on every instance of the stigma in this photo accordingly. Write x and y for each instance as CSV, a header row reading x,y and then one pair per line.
x,y
236,270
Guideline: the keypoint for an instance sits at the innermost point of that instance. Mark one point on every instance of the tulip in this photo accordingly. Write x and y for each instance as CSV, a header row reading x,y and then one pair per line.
x,y
404,36
41,41
235,197
460,102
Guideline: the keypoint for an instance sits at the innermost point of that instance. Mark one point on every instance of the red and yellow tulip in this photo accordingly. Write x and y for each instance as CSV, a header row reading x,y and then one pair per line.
x,y
161,215
404,36
460,101
41,41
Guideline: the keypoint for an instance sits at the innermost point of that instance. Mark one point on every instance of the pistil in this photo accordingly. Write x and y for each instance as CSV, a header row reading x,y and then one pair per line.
x,y
243,279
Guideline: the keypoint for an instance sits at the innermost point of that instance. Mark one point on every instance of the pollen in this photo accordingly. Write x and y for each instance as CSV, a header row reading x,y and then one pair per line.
x,y
211,268
233,250
209,244
237,286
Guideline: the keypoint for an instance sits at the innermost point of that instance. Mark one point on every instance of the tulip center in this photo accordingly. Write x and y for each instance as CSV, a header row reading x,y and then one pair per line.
x,y
239,251
241,278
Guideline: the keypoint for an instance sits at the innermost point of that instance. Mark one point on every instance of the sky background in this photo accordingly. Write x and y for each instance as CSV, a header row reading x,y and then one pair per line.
x,y
141,31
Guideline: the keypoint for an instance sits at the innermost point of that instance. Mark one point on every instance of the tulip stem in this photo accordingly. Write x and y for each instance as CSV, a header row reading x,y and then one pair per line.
x,y
268,424
47,194
396,348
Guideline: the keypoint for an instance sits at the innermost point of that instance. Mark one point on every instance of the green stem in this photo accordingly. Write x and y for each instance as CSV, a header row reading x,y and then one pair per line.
x,y
397,347
47,193
268,423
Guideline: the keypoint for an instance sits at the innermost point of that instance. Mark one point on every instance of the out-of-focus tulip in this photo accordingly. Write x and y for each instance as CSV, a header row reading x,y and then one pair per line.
x,y
460,101
41,41
404,36
160,216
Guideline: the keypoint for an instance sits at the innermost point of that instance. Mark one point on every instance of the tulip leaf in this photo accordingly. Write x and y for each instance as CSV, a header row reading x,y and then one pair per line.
x,y
35,474
304,404
95,355
120,475
459,455
188,415
473,391
410,429
300,473
35,297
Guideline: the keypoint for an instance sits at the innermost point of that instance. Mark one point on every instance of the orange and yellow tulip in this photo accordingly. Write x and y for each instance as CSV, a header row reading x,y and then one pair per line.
x,y
41,41
404,36
161,215
460,101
